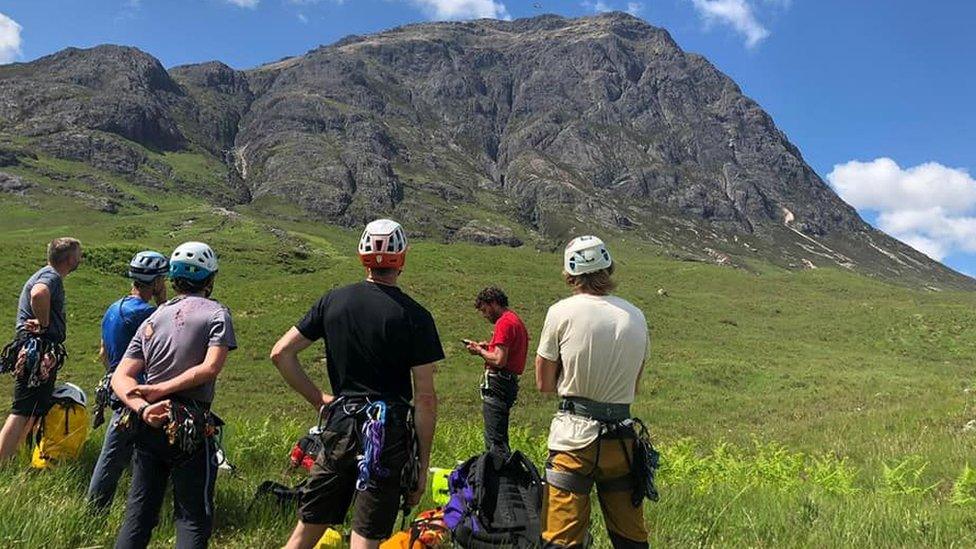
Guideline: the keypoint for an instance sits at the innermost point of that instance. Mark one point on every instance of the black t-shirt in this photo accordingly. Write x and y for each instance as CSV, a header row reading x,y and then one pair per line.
x,y
374,334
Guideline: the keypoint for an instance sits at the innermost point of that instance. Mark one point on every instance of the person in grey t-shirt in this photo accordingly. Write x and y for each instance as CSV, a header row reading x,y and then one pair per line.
x,y
41,312
180,348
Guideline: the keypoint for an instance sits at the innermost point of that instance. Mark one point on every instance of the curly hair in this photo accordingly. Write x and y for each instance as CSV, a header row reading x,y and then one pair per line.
x,y
491,294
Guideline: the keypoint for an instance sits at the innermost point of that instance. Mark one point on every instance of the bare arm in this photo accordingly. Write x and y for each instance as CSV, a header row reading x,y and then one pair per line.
x,y
124,384
425,402
102,355
425,405
40,300
284,355
546,374
495,358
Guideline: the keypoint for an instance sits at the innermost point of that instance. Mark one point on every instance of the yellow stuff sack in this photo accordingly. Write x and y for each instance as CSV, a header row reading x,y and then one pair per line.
x,y
60,434
331,539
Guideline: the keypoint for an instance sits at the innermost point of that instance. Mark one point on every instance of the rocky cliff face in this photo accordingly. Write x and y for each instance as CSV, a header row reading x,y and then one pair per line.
x,y
116,90
549,126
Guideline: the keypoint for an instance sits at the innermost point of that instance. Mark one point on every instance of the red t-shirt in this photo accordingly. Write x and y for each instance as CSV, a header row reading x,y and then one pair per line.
x,y
511,333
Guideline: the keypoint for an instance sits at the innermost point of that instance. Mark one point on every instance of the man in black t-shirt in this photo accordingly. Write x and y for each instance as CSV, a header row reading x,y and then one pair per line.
x,y
380,348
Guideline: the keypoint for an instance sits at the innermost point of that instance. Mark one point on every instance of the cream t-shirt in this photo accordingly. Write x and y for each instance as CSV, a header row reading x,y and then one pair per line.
x,y
602,342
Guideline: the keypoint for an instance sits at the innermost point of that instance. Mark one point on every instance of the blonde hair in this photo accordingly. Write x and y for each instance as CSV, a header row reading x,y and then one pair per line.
x,y
60,249
595,283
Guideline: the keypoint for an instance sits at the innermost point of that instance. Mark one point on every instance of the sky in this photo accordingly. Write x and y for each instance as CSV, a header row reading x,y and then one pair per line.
x,y
877,94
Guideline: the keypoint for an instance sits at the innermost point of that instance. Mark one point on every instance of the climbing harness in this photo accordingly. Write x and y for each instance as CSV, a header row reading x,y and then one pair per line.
x,y
375,414
189,426
615,423
410,475
33,358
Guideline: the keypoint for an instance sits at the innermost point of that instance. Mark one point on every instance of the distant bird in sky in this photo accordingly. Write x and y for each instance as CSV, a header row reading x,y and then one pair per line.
x,y
537,6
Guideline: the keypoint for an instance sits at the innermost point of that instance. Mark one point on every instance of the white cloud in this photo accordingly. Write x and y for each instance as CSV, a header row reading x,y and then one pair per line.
x,y
933,231
930,247
882,185
250,4
930,207
599,6
9,39
462,9
738,14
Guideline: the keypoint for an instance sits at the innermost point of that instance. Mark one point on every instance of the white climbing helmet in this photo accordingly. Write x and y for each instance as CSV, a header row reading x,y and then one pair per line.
x,y
71,392
383,245
192,260
586,254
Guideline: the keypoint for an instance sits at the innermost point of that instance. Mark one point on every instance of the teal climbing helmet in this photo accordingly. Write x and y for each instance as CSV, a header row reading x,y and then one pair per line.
x,y
193,261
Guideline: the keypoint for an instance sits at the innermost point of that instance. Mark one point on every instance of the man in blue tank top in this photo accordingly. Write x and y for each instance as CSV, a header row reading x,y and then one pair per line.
x,y
148,272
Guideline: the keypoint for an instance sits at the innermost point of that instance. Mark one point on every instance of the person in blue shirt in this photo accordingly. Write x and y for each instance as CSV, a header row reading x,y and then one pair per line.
x,y
148,272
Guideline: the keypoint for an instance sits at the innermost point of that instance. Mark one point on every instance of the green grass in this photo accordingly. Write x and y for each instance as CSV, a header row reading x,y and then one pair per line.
x,y
813,408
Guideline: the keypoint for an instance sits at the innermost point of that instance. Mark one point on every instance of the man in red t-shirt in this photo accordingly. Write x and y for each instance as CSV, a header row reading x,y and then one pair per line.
x,y
504,358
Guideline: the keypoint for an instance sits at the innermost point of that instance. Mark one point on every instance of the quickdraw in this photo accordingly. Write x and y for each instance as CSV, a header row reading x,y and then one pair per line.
x,y
103,396
373,438
126,420
373,435
647,460
33,358
188,427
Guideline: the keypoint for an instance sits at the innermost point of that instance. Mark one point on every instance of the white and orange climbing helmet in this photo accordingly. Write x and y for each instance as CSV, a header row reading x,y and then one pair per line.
x,y
383,245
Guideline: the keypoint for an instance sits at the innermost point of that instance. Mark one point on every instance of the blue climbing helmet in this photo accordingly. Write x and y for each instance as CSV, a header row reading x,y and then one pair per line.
x,y
193,261
147,266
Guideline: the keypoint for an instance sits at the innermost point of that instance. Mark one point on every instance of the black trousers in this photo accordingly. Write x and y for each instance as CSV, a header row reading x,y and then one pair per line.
x,y
499,390
154,464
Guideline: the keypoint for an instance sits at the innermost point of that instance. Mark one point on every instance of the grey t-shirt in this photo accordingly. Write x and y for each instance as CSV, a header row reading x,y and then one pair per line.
x,y
176,337
57,330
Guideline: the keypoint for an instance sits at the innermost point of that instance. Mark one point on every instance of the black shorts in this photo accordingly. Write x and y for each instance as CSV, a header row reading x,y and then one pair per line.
x,y
32,401
331,486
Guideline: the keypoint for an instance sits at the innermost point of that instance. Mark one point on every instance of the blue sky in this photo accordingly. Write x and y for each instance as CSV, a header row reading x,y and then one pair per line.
x,y
878,95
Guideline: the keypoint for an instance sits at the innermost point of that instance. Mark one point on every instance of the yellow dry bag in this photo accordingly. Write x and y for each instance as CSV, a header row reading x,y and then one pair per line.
x,y
62,432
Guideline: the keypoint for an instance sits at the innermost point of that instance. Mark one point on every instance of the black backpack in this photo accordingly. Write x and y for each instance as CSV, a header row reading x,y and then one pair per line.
x,y
496,501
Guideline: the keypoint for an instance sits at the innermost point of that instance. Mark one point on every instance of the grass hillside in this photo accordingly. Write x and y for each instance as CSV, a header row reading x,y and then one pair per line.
x,y
813,408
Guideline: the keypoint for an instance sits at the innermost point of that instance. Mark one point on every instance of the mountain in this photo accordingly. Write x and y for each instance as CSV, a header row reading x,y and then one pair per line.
x,y
500,132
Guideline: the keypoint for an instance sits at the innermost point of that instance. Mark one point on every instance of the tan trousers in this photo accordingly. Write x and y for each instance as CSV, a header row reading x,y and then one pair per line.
x,y
567,514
